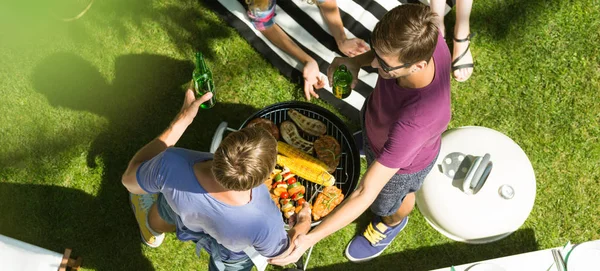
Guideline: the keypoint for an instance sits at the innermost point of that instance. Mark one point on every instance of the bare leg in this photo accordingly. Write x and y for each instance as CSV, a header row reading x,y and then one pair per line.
x,y
408,204
463,14
158,224
461,31
438,7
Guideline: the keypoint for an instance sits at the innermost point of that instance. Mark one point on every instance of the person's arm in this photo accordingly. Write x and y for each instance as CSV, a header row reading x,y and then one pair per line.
x,y
167,139
272,239
276,35
376,177
331,14
310,72
301,226
374,180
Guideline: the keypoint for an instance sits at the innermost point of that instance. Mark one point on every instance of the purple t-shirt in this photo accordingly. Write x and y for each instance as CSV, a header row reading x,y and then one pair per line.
x,y
404,125
257,224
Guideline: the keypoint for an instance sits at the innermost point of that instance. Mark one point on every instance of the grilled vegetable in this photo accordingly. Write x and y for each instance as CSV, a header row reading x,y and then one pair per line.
x,y
300,202
277,191
296,154
309,125
272,178
291,180
296,188
290,135
285,195
297,196
287,207
277,184
288,176
307,170
329,151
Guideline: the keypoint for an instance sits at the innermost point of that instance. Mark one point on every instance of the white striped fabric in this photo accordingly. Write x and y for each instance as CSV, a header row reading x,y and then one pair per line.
x,y
304,24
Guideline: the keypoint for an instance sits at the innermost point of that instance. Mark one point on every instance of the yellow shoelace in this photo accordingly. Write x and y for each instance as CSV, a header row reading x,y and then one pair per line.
x,y
373,235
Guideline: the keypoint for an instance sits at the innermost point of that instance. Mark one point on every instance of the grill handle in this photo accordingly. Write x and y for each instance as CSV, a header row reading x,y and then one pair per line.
x,y
218,136
477,174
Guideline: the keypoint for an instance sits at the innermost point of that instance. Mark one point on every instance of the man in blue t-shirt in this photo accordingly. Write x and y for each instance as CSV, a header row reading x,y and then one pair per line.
x,y
217,201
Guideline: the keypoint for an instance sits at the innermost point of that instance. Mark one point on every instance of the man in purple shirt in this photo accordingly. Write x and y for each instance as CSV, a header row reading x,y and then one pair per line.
x,y
219,202
403,120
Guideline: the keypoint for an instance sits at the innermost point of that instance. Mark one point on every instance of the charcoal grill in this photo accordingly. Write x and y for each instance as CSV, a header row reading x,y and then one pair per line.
x,y
348,171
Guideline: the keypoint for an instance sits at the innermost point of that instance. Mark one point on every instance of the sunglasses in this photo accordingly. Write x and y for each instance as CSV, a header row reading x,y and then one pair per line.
x,y
385,67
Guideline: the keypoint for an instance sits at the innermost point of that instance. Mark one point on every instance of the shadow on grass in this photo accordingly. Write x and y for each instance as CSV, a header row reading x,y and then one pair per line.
x,y
99,229
189,24
445,255
144,96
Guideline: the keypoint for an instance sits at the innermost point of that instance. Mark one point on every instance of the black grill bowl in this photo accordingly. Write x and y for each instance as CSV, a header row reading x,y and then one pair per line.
x,y
348,171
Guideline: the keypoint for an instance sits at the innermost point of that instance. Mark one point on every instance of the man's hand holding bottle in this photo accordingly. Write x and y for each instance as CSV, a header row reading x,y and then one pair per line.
x,y
351,64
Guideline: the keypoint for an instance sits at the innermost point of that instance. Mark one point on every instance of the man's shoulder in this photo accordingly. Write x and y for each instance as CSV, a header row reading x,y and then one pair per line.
x,y
181,154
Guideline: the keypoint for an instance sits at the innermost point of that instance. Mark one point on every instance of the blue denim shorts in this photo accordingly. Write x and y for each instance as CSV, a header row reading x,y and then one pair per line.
x,y
164,210
391,196
167,214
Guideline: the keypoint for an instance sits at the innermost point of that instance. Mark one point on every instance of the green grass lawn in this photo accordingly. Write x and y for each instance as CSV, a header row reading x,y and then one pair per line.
x,y
79,98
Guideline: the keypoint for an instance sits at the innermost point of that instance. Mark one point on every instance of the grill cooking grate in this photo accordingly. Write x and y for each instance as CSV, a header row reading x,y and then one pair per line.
x,y
348,171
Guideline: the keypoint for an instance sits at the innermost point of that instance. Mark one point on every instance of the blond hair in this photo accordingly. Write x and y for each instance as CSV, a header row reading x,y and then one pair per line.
x,y
408,30
260,4
245,159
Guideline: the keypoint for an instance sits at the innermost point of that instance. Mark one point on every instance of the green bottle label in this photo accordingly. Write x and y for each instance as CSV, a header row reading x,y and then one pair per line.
x,y
342,82
203,81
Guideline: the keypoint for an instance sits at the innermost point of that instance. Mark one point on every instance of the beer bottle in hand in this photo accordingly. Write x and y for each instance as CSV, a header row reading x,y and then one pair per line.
x,y
342,81
203,81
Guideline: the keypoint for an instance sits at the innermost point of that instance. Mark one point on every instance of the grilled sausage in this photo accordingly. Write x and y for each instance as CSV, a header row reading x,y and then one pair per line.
x,y
291,136
266,124
329,151
309,125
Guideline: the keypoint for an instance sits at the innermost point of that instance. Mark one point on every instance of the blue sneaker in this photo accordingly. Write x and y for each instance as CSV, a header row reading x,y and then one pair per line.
x,y
358,139
374,240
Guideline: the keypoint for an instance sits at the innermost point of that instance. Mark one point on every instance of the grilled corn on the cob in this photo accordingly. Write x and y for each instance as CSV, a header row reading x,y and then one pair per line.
x,y
307,170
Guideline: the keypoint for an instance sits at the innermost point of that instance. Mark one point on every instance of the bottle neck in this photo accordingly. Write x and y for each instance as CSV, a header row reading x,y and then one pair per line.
x,y
200,64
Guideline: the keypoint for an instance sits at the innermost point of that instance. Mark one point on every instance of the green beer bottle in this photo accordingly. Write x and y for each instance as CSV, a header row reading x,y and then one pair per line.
x,y
203,81
342,81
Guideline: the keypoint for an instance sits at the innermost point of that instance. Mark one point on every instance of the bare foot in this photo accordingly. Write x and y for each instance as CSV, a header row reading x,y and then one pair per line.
x,y
464,73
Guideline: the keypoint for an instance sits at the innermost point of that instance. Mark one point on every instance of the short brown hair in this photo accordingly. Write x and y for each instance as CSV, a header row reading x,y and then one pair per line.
x,y
245,159
408,30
